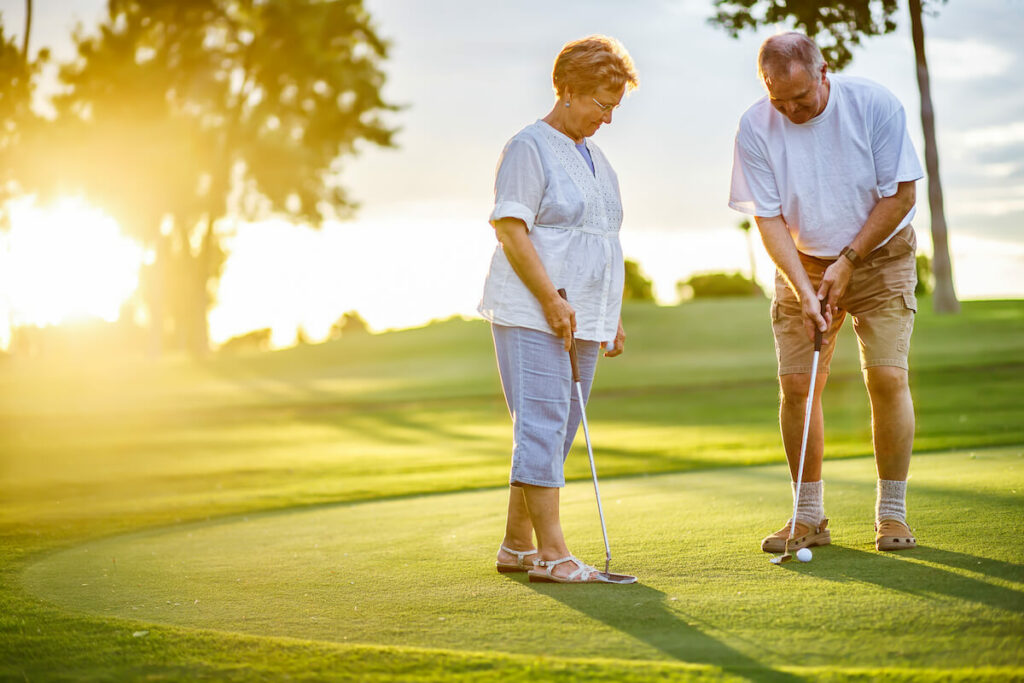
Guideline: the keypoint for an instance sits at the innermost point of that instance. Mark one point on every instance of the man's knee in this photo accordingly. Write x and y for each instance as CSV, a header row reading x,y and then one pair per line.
x,y
793,389
886,381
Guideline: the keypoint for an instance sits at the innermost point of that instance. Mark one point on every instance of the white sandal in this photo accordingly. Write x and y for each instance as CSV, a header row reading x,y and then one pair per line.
x,y
584,572
519,566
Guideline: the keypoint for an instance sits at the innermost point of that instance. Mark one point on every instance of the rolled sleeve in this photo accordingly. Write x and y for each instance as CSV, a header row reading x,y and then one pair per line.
x,y
510,209
519,183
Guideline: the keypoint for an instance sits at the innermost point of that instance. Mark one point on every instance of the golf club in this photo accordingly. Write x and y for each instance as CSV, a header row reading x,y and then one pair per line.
x,y
608,576
787,556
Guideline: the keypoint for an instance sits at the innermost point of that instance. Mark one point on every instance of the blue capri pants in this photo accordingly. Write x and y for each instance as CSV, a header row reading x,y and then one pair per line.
x,y
536,377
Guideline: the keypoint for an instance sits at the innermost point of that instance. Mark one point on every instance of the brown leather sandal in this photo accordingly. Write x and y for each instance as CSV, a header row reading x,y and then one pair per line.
x,y
891,534
804,536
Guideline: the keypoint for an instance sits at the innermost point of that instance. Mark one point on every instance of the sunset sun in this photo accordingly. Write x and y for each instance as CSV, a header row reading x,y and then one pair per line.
x,y
65,261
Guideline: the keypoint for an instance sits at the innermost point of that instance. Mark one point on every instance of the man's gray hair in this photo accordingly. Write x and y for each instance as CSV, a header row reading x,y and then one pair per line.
x,y
779,52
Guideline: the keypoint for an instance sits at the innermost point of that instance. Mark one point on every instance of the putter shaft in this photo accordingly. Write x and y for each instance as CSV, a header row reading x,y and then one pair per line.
x,y
593,470
803,441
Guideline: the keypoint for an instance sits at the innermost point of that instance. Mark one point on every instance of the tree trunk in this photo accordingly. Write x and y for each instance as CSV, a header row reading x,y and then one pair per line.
x,y
199,308
944,300
28,29
756,288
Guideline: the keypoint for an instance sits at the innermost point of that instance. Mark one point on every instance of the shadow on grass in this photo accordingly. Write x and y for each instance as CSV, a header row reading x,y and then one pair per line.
x,y
641,612
998,569
902,573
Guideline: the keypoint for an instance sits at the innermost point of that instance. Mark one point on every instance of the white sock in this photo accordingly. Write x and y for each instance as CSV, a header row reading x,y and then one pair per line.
x,y
892,501
811,507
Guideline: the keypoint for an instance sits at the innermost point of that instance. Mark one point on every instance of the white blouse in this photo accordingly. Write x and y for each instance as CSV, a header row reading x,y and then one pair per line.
x,y
573,217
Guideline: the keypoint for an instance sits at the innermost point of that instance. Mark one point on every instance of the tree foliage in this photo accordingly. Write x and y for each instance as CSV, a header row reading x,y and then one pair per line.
x,y
18,122
836,27
637,287
179,113
717,286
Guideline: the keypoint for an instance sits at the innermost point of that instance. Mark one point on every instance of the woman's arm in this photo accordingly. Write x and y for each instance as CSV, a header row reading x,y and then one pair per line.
x,y
521,254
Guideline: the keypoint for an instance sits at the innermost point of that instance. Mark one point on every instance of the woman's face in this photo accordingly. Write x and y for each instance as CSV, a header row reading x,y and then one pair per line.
x,y
589,111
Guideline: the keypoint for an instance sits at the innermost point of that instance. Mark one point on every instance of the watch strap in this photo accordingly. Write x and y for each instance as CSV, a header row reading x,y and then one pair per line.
x,y
851,255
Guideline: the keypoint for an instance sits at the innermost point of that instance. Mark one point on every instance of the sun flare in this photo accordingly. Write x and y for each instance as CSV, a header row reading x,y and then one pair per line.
x,y
65,261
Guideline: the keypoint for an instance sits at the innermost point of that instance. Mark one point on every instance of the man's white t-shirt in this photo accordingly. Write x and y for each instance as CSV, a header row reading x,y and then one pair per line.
x,y
826,175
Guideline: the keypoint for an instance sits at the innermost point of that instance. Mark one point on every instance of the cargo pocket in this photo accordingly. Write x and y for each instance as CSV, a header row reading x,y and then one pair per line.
x,y
906,328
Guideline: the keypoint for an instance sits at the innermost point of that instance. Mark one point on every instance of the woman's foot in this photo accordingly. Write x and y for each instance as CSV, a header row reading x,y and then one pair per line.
x,y
512,560
570,569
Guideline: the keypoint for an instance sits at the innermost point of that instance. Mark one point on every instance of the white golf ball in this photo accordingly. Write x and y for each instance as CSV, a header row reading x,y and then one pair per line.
x,y
804,554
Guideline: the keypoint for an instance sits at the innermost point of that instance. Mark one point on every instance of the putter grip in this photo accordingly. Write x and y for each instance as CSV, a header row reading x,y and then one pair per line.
x,y
572,348
817,332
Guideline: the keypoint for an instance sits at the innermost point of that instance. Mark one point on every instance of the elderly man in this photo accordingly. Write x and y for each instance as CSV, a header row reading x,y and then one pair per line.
x,y
825,165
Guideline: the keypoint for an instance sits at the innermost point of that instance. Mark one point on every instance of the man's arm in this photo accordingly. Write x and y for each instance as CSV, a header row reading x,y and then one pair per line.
x,y
882,220
779,245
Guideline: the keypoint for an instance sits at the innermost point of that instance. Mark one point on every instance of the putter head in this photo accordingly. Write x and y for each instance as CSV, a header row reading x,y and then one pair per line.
x,y
608,577
784,557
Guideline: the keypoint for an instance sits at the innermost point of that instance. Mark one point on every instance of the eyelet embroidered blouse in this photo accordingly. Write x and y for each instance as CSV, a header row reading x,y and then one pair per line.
x,y
573,217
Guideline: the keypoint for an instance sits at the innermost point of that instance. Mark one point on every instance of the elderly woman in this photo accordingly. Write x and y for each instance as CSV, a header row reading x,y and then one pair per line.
x,y
557,214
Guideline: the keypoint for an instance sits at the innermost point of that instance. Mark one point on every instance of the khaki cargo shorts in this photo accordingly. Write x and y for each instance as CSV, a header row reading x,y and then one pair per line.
x,y
880,297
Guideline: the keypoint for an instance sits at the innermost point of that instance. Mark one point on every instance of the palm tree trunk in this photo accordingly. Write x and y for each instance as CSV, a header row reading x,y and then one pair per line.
x,y
944,300
753,265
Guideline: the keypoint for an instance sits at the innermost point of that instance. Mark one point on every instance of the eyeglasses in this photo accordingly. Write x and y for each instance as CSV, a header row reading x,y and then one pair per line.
x,y
605,108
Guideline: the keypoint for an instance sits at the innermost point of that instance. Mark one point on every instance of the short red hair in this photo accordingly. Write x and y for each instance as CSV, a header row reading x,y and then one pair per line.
x,y
587,64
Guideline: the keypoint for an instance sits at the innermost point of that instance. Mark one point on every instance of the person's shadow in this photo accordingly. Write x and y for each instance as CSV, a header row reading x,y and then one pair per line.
x,y
641,612
893,573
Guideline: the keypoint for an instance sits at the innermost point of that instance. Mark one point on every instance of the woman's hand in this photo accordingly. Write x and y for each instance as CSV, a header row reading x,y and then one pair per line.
x,y
618,346
561,316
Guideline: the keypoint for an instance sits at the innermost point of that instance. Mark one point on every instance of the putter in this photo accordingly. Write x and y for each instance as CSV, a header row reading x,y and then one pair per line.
x,y
574,361
787,556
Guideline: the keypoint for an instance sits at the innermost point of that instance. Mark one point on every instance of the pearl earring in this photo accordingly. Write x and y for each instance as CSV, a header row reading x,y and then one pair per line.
x,y
567,104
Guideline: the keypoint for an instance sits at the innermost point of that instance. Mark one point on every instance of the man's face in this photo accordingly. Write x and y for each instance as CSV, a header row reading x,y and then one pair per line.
x,y
799,96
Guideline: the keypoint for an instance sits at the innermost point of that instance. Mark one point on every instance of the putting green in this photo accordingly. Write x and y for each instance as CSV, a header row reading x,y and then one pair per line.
x,y
419,572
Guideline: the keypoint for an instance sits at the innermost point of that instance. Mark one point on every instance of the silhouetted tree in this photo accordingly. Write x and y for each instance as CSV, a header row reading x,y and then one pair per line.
x,y
716,286
18,123
179,113
637,287
350,323
836,27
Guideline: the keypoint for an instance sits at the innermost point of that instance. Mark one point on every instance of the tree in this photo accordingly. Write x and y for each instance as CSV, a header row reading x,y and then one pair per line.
x,y
837,27
348,324
637,286
716,286
744,225
18,123
180,113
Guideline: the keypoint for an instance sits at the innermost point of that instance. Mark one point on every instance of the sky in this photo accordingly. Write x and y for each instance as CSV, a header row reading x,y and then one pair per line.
x,y
470,74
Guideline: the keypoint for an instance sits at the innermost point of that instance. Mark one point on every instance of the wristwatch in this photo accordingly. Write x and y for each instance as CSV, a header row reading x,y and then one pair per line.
x,y
852,256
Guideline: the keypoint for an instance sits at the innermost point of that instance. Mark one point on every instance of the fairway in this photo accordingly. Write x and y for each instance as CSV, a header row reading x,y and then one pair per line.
x,y
332,512
416,572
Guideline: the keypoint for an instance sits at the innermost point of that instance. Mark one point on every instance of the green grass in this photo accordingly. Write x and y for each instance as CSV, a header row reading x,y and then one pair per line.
x,y
91,450
364,574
